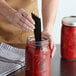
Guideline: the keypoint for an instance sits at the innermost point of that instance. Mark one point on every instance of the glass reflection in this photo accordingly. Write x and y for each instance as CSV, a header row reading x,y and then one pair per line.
x,y
68,68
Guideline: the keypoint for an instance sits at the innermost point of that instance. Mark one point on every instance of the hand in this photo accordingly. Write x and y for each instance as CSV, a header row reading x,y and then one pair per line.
x,y
22,20
52,43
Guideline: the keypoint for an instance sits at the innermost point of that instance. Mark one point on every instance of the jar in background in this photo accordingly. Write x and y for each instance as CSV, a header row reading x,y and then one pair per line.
x,y
37,58
68,38
67,68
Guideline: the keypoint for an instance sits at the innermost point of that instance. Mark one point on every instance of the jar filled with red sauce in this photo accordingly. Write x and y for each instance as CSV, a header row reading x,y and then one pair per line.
x,y
68,38
37,58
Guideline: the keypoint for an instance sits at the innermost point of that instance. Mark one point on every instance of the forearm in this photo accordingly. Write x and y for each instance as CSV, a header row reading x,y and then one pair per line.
x,y
6,10
49,9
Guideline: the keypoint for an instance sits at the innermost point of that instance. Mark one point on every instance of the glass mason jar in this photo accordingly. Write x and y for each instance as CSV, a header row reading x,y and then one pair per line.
x,y
37,58
68,38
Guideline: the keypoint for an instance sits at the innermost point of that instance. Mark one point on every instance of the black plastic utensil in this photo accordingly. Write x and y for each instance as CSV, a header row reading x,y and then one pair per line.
x,y
37,30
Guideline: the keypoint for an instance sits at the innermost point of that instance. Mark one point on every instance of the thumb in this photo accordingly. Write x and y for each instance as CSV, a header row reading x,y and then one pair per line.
x,y
53,50
52,47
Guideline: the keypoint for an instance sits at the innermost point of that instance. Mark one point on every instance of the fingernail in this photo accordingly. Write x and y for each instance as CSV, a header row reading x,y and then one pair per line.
x,y
33,27
32,30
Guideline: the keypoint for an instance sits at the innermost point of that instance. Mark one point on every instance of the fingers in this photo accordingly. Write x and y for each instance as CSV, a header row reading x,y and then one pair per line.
x,y
52,46
23,21
26,16
26,22
51,42
53,50
24,27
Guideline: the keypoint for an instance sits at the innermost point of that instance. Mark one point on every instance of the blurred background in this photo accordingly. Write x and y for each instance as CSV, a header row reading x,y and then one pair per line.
x,y
65,8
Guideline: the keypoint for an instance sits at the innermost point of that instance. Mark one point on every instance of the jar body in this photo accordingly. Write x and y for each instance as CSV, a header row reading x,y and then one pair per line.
x,y
37,60
68,42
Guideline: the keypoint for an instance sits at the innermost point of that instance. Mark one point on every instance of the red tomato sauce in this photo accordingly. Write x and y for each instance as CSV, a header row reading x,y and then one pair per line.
x,y
37,60
68,42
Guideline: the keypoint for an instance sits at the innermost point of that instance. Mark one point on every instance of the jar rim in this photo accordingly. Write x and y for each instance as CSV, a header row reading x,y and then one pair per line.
x,y
69,21
39,43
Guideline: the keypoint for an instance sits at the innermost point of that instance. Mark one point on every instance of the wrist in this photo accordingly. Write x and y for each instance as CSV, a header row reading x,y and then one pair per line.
x,y
48,29
45,32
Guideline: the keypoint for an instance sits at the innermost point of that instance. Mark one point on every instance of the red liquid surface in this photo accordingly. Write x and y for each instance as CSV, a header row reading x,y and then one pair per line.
x,y
37,61
68,42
